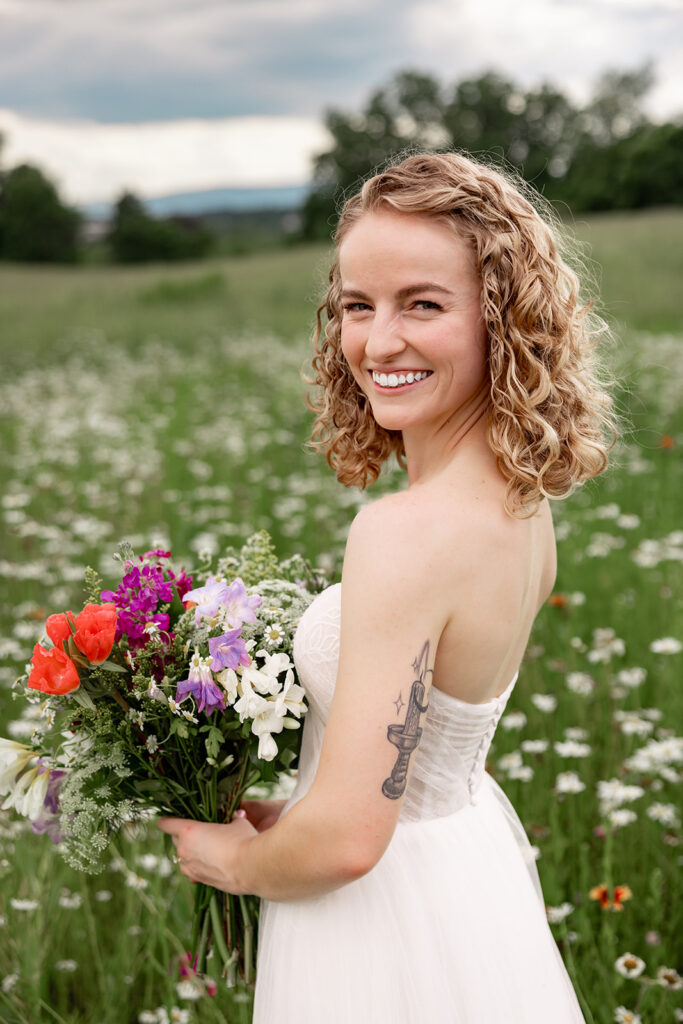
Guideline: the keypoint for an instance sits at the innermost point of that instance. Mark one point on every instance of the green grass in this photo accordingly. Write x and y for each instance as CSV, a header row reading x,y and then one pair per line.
x,y
164,403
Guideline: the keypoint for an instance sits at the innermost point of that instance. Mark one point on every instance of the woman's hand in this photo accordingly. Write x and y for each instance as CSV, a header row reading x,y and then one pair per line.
x,y
262,813
213,854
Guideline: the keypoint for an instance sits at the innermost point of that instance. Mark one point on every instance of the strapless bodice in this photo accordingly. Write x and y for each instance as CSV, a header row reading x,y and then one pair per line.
x,y
448,765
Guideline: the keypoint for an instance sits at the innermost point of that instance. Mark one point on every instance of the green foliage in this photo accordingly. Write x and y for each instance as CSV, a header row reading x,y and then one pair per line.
x,y
604,155
135,237
35,227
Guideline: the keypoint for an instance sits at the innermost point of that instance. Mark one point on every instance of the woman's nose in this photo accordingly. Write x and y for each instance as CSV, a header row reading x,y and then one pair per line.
x,y
384,337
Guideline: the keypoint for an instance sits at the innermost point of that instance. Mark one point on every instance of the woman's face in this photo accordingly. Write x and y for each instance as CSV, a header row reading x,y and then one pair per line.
x,y
412,331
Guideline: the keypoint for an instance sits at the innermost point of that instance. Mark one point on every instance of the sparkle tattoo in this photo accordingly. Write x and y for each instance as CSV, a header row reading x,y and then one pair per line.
x,y
406,736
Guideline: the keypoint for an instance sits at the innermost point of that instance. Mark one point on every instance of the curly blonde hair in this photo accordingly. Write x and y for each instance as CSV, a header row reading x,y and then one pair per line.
x,y
550,414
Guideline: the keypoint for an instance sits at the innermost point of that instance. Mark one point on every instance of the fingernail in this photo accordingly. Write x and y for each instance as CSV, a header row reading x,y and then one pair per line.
x,y
240,814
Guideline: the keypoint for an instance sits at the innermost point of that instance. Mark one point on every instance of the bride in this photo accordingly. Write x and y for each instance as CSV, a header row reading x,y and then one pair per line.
x,y
397,882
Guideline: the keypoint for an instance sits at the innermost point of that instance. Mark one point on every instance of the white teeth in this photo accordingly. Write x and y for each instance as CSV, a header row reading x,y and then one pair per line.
x,y
394,380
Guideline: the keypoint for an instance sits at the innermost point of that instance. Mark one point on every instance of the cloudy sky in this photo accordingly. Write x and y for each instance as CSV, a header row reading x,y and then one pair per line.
x,y
166,96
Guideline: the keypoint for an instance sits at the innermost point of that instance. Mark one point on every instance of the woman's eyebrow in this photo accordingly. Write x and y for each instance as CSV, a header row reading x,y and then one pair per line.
x,y
402,293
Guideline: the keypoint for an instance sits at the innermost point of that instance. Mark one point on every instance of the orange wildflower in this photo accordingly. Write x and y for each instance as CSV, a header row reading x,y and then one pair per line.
x,y
557,600
666,441
601,892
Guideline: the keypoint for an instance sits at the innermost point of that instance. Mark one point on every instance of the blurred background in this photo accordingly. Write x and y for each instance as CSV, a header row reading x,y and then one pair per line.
x,y
169,174
180,128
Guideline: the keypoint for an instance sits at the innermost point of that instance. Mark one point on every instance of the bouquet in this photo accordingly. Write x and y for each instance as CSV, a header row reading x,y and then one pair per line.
x,y
165,697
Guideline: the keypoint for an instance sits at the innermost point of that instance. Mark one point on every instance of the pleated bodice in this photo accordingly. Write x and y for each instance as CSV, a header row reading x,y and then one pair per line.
x,y
448,765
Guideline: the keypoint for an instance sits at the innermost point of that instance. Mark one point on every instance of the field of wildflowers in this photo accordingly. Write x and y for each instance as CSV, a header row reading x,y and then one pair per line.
x,y
164,406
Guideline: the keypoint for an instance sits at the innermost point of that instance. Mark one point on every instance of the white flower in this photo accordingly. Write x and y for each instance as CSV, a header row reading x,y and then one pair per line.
x,y
577,598
629,965
605,644
67,966
24,904
154,692
190,717
179,1016
293,695
134,881
544,701
632,725
152,743
669,978
557,914
189,989
632,677
624,1016
229,680
523,772
575,732
666,645
621,816
569,782
534,746
581,683
70,900
613,792
666,814
274,634
9,982
513,720
508,761
570,748
628,522
175,708
103,895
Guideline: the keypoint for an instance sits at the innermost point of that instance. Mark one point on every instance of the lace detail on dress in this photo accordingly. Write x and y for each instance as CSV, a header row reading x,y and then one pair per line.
x,y
449,763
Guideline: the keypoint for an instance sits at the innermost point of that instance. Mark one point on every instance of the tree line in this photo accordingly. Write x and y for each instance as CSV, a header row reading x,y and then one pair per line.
x,y
603,155
37,227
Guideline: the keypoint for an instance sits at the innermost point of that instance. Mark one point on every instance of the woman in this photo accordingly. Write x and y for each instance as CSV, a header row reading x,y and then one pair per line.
x,y
397,882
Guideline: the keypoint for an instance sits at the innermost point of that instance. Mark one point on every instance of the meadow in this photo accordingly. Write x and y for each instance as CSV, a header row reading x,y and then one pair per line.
x,y
164,405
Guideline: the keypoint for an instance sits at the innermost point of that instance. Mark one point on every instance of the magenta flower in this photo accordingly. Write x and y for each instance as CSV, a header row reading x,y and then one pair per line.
x,y
239,606
200,683
208,598
228,651
138,596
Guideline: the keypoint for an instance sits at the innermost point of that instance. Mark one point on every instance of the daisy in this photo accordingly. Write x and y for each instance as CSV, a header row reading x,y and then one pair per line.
x,y
629,965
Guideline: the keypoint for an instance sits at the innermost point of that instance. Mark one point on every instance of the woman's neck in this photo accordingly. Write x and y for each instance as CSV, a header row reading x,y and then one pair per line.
x,y
432,449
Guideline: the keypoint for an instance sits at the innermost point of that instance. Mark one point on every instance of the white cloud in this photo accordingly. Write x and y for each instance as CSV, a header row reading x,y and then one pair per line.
x,y
91,161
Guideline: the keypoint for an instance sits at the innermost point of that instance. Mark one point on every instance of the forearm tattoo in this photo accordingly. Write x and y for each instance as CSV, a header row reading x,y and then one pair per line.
x,y
406,736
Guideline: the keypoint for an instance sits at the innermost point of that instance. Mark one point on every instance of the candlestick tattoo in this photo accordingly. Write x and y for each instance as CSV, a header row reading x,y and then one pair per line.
x,y
406,736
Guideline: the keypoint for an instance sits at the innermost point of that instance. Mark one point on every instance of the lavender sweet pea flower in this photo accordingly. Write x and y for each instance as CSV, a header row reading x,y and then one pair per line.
x,y
200,683
48,822
239,607
228,651
208,598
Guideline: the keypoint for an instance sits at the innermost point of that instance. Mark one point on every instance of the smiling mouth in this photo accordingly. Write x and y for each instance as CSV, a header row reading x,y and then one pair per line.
x,y
395,381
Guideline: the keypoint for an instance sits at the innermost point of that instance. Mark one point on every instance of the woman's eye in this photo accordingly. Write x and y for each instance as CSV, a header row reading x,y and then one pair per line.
x,y
427,304
355,307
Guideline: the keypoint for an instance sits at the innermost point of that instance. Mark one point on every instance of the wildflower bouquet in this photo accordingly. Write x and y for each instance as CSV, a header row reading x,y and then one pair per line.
x,y
161,697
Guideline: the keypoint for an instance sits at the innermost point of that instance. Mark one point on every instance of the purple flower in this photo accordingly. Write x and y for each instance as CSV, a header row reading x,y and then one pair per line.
x,y
200,683
48,822
138,596
228,651
208,598
239,606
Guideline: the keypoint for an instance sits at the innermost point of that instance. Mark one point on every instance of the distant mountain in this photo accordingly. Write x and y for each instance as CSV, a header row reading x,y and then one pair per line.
x,y
217,199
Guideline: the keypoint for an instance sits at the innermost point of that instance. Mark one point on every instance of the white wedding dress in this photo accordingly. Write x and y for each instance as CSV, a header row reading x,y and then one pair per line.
x,y
449,927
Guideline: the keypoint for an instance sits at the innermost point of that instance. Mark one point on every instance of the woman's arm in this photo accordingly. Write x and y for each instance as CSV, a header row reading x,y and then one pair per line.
x,y
392,616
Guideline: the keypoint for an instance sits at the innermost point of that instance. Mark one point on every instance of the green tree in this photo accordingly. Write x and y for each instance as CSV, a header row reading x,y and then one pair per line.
x,y
34,224
135,237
